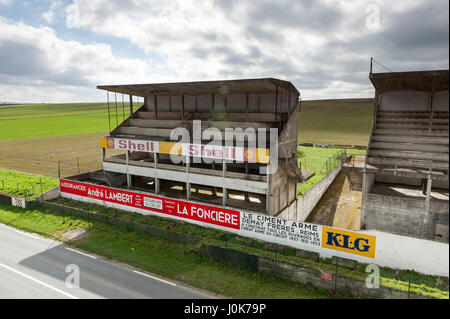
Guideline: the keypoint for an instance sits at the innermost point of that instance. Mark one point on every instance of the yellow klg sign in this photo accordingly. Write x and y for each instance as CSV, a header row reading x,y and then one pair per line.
x,y
349,242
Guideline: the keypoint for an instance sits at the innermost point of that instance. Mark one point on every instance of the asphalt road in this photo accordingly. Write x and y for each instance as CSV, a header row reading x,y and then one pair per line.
x,y
33,267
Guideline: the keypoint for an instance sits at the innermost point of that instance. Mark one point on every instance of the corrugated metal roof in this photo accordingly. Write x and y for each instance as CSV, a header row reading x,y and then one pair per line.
x,y
256,86
415,80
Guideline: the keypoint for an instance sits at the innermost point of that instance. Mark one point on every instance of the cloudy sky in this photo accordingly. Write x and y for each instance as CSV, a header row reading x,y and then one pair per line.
x,y
59,51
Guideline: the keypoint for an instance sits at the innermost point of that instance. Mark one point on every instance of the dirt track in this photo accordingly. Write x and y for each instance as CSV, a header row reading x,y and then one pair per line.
x,y
41,155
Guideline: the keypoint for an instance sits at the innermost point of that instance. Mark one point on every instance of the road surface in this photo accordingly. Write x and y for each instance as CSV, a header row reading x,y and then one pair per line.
x,y
33,267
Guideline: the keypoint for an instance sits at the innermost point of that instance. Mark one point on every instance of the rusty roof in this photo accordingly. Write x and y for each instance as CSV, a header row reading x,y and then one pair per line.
x,y
415,80
256,86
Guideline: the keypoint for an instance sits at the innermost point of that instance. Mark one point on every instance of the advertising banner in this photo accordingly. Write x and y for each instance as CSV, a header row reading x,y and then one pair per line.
x,y
187,210
268,228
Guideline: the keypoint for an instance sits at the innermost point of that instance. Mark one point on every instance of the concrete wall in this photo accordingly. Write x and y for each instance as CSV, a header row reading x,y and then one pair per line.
x,y
406,216
51,194
404,101
309,200
395,251
350,287
234,103
441,101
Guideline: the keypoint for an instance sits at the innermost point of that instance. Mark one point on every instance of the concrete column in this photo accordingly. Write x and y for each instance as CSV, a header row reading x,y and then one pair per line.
x,y
103,154
155,159
128,175
131,106
188,185
268,190
225,193
427,201
155,106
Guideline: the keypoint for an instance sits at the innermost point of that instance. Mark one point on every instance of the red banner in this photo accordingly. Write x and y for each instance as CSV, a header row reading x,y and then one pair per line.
x,y
193,211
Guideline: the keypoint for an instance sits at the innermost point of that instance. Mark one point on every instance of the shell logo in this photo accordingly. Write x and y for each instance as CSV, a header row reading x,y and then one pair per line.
x,y
110,143
249,155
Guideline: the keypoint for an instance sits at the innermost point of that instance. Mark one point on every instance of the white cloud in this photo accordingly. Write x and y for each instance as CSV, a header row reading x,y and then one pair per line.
x,y
55,70
5,2
51,15
323,47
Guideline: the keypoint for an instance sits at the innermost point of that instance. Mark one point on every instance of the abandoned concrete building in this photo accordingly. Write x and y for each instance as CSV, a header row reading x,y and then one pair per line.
x,y
232,172
405,178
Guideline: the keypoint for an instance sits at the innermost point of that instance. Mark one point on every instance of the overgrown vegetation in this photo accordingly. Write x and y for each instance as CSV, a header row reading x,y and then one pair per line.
x,y
319,161
25,184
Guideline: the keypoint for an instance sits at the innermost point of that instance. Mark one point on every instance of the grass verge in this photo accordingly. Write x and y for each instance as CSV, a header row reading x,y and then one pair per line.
x,y
21,184
420,283
314,159
159,256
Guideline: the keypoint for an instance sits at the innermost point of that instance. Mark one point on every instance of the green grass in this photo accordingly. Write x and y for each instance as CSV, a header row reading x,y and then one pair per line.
x,y
421,284
17,183
159,256
335,123
41,120
314,159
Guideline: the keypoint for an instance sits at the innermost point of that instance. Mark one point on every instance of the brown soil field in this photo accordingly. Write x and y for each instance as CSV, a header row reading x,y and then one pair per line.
x,y
41,155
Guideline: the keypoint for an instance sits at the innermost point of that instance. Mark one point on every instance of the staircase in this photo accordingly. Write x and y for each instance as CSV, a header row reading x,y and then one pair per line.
x,y
415,140
146,125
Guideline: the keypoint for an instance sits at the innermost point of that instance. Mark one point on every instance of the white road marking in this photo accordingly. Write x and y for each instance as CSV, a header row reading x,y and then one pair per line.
x,y
156,278
81,253
38,281
26,234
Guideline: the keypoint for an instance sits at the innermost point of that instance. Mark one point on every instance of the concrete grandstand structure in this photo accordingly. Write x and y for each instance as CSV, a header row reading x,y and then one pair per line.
x,y
232,171
406,173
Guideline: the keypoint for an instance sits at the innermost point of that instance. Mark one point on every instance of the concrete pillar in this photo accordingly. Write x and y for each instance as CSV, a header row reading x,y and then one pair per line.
x,y
188,185
131,106
155,159
103,154
267,191
427,201
128,175
225,193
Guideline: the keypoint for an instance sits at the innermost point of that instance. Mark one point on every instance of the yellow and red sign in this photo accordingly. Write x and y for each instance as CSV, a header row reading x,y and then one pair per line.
x,y
244,154
348,242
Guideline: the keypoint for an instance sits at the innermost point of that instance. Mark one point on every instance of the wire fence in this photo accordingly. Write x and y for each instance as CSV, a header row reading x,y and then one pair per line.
x,y
274,261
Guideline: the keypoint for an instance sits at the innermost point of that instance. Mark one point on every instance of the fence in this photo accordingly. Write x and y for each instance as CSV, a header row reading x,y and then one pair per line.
x,y
314,165
338,285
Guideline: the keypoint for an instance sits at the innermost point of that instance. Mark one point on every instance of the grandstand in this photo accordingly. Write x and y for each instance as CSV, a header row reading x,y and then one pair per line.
x,y
231,171
405,179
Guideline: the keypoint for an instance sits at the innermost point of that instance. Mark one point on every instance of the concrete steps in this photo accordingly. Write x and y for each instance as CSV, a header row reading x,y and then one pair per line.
x,y
408,126
436,148
143,131
411,132
386,161
153,123
412,155
411,120
441,140
436,115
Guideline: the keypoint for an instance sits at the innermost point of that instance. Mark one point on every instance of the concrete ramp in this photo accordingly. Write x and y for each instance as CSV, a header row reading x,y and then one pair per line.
x,y
340,206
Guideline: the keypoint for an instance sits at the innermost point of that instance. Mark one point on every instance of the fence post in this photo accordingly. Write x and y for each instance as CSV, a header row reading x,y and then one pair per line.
x,y
148,236
335,279
42,197
184,241
115,222
78,165
59,170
